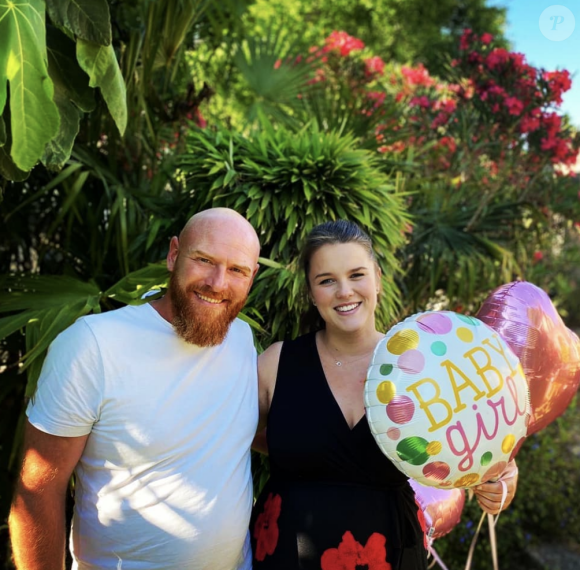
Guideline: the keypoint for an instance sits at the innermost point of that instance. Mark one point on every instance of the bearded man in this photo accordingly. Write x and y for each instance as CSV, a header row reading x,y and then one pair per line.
x,y
154,408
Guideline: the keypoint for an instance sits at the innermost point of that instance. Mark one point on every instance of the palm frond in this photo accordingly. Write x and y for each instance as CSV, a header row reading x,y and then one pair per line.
x,y
274,78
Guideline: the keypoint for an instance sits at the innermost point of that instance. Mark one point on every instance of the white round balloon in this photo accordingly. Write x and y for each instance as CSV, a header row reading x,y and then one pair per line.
x,y
446,399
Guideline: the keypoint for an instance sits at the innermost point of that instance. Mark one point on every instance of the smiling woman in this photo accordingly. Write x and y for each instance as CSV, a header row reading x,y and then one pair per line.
x,y
339,502
344,291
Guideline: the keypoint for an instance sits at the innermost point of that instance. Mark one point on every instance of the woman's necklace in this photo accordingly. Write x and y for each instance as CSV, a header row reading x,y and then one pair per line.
x,y
343,362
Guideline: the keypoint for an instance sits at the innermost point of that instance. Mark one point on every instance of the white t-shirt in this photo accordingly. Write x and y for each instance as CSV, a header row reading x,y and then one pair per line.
x,y
164,481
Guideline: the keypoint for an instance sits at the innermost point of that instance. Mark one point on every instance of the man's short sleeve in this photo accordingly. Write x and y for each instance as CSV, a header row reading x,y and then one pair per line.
x,y
68,398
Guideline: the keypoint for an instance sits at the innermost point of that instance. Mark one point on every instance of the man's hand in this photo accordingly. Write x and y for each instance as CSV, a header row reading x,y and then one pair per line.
x,y
37,518
489,495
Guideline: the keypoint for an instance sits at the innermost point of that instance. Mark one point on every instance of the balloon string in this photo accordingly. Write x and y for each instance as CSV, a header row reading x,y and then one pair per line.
x,y
436,558
474,542
491,523
504,492
492,541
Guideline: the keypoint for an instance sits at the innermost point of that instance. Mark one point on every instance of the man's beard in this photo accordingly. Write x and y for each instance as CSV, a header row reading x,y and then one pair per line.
x,y
196,324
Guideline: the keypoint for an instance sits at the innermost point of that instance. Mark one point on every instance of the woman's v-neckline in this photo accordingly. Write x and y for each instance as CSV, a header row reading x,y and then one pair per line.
x,y
362,419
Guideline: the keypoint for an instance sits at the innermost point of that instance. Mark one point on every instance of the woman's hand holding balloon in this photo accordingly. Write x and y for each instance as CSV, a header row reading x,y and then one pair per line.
x,y
489,495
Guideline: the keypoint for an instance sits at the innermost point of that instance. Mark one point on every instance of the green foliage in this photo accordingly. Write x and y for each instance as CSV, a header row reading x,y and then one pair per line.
x,y
87,19
46,305
285,184
275,83
554,264
100,64
72,96
48,89
443,255
23,64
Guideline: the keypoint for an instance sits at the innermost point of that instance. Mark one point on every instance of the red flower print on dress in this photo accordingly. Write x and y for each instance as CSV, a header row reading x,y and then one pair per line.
x,y
423,523
351,555
266,528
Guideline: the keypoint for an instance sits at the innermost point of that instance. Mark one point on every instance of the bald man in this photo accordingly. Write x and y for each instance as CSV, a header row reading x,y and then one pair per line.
x,y
154,407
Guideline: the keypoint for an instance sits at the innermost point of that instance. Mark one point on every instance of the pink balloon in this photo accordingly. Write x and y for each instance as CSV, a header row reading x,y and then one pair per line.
x,y
526,319
442,507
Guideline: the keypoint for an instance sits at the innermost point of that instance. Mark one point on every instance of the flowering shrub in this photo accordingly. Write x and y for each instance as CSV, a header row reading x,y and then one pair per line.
x,y
346,84
498,106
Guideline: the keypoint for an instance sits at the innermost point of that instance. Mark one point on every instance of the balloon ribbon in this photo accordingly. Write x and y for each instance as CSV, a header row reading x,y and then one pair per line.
x,y
492,539
436,558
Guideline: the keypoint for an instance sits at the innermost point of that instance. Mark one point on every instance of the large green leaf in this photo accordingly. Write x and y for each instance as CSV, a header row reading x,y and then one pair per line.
x,y
100,63
13,323
72,95
4,53
35,292
34,116
86,19
58,150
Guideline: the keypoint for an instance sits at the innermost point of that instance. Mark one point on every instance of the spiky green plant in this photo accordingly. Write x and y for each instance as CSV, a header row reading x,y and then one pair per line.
x,y
285,184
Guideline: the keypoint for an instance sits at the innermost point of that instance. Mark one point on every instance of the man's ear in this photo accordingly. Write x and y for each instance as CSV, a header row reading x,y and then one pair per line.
x,y
173,253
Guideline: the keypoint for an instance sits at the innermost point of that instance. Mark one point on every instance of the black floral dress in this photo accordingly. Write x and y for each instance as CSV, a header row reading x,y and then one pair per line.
x,y
333,501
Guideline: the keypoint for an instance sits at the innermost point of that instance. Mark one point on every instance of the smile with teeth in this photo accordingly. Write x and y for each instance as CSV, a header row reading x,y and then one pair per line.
x,y
346,308
209,299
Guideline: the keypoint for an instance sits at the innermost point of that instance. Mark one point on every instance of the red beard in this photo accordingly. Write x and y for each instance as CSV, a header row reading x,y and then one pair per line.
x,y
196,324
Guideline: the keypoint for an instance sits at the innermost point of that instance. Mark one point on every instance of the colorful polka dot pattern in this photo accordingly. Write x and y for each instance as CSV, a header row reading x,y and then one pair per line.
x,y
420,398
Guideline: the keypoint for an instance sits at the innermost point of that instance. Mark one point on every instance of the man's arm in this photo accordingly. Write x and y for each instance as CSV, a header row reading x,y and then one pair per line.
x,y
37,517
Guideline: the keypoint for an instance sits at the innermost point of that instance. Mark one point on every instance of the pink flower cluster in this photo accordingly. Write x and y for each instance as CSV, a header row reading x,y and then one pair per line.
x,y
340,51
558,82
417,76
374,66
342,43
512,90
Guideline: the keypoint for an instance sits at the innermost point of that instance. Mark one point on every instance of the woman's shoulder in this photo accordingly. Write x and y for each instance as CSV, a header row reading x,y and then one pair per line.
x,y
272,352
269,359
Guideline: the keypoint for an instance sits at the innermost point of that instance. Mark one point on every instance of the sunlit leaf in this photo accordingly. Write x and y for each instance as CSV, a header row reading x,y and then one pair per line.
x,y
102,67
132,288
34,115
